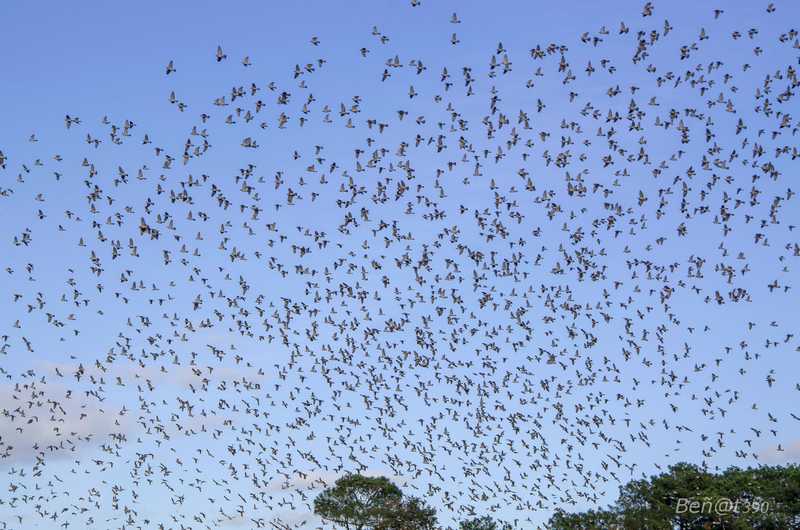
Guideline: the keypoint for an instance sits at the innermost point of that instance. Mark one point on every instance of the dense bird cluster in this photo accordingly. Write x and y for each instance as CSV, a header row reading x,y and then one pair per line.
x,y
438,278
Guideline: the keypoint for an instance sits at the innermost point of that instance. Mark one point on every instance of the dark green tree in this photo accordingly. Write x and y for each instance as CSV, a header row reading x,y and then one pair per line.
x,y
357,502
482,523
368,503
411,513
762,498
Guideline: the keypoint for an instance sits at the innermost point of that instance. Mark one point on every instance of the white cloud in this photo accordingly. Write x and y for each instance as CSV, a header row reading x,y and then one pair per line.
x,y
790,453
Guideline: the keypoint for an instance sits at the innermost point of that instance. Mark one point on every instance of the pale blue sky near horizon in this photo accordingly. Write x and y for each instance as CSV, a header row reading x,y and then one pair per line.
x,y
724,371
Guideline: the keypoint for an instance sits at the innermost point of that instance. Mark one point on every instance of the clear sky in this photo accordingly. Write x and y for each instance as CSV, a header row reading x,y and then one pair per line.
x,y
510,258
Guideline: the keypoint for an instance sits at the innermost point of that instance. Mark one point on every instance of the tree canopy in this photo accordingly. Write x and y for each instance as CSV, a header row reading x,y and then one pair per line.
x,y
411,513
689,498
482,523
373,503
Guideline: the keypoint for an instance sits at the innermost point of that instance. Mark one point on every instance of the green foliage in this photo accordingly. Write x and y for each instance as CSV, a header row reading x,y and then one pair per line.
x,y
368,503
591,520
411,513
357,502
482,523
664,502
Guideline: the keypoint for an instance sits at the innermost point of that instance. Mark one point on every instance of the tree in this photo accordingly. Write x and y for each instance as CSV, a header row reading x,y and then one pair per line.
x,y
369,503
411,513
482,523
357,502
765,498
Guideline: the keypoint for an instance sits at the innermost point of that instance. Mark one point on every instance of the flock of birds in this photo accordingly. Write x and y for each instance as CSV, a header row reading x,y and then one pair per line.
x,y
494,309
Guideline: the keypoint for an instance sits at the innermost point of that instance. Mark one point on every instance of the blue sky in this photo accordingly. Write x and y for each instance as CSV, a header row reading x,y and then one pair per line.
x,y
481,283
